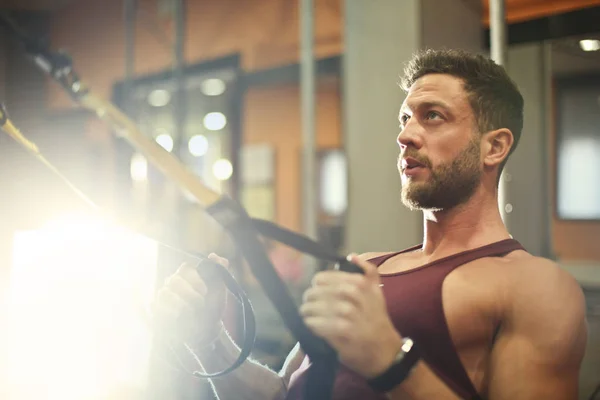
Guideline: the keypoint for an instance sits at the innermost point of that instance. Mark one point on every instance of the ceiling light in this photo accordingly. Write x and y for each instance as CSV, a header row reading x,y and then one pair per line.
x,y
165,141
222,169
198,145
589,45
159,98
215,121
212,87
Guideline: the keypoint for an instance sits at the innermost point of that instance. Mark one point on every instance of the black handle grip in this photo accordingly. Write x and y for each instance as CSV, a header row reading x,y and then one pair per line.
x,y
210,271
347,266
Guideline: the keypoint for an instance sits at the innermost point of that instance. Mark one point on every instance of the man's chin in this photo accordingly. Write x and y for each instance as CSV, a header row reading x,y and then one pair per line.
x,y
416,200
411,202
415,205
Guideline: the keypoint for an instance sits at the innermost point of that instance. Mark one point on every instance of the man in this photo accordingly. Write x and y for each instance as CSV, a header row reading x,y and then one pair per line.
x,y
485,318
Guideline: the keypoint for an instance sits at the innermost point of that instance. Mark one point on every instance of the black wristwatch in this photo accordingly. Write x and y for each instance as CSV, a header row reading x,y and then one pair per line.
x,y
402,366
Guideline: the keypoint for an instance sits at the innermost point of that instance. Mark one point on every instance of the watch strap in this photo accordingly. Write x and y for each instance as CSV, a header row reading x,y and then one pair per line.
x,y
399,370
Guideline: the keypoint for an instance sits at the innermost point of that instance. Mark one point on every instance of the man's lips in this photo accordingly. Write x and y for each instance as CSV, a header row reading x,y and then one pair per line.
x,y
409,163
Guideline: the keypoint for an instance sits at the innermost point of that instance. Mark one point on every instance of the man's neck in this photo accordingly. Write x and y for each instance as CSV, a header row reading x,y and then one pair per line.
x,y
473,224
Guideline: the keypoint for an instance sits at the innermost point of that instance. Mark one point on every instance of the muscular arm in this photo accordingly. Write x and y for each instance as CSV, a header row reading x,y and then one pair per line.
x,y
538,352
540,348
251,381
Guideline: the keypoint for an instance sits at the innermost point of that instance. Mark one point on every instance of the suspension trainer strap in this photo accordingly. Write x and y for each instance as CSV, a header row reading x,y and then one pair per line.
x,y
303,244
227,212
244,230
240,226
211,271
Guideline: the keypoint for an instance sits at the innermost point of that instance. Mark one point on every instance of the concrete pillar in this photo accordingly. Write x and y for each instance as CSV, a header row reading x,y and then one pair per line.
x,y
527,171
380,37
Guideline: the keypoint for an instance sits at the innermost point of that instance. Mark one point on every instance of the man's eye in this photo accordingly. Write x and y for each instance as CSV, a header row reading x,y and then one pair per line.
x,y
404,119
433,115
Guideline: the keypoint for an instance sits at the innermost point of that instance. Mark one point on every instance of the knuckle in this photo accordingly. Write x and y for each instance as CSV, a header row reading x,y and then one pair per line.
x,y
350,291
162,297
361,282
188,273
304,309
345,310
324,278
176,282
184,268
167,305
317,279
306,296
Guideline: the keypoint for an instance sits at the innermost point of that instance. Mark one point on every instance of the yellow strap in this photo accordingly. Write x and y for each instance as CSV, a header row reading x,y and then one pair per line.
x,y
162,159
13,132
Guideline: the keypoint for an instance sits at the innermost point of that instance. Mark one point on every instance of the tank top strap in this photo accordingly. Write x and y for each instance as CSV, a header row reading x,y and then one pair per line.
x,y
383,258
491,250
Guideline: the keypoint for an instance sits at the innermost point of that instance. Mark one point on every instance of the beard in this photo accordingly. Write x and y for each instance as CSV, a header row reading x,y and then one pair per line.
x,y
449,184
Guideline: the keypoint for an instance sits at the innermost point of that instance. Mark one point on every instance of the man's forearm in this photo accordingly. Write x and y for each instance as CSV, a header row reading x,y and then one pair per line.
x,y
251,381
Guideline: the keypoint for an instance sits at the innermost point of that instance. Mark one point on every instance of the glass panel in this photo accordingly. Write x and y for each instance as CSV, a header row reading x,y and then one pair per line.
x,y
578,194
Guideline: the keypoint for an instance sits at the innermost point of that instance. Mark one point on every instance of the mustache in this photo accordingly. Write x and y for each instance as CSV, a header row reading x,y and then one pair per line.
x,y
413,154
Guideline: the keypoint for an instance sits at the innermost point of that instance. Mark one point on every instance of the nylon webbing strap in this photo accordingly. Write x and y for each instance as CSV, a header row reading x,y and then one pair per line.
x,y
211,271
302,243
243,229
240,226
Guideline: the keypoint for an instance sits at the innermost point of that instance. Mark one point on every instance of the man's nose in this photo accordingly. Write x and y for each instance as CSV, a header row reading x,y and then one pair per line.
x,y
410,135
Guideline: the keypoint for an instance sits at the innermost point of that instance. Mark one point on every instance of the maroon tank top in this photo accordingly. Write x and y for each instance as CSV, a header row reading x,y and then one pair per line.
x,y
414,302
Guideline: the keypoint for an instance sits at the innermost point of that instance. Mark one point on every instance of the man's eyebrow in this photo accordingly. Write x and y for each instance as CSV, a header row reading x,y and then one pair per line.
x,y
423,105
434,103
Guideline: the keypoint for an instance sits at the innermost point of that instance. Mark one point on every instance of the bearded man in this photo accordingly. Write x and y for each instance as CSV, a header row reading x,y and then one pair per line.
x,y
467,314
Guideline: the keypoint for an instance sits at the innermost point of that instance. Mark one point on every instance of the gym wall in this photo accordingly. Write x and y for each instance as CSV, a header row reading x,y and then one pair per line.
x,y
265,34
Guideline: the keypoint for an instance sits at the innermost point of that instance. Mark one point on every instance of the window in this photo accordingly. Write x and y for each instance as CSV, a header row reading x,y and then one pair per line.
x,y
578,148
207,143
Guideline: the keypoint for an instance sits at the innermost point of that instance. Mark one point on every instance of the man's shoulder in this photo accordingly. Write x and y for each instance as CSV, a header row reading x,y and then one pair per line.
x,y
523,285
540,287
532,271
547,307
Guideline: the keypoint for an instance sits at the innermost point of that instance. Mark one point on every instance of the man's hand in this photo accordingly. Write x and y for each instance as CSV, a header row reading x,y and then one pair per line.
x,y
349,312
187,309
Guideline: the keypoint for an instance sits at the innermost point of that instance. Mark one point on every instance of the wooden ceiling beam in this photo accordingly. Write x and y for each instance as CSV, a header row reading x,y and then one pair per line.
x,y
524,10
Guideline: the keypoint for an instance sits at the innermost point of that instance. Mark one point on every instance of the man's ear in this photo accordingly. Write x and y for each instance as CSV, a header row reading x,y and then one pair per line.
x,y
496,146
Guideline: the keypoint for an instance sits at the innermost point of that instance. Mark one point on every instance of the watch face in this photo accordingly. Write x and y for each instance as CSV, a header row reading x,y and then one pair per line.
x,y
407,345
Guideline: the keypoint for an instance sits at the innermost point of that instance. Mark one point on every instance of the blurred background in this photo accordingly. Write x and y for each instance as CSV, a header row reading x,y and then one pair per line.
x,y
226,86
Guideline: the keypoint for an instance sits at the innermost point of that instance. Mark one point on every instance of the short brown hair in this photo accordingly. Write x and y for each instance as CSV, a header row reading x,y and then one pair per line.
x,y
493,95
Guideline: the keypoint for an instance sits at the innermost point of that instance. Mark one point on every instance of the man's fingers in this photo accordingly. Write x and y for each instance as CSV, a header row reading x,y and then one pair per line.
x,y
335,277
190,274
186,292
369,268
332,294
169,305
219,260
324,309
